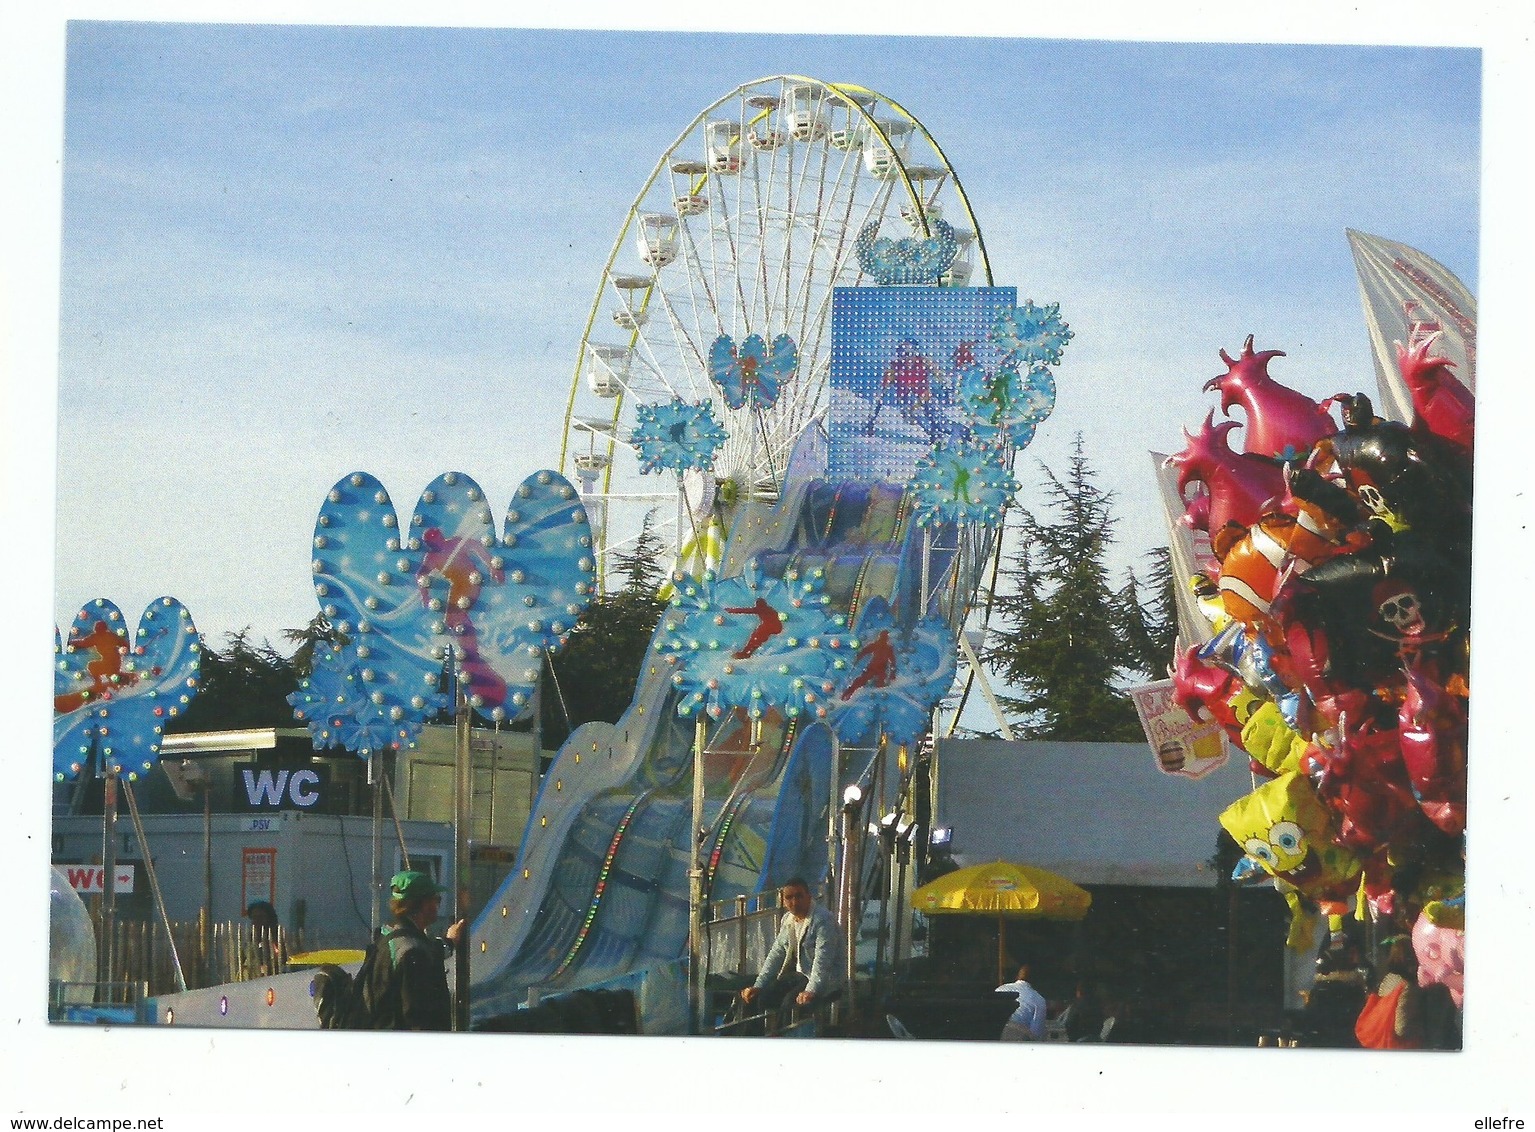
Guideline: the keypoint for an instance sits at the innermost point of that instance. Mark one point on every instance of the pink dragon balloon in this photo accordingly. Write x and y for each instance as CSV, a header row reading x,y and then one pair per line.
x,y
1280,421
1240,487
1433,738
1442,404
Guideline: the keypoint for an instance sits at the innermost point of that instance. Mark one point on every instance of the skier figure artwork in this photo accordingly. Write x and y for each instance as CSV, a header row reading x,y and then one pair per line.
x,y
460,562
769,624
917,388
879,669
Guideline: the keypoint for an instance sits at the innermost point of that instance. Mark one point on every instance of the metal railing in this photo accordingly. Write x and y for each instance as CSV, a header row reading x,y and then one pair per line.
x,y
738,934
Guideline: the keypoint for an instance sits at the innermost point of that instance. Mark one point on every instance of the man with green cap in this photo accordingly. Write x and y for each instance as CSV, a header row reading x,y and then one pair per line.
x,y
408,985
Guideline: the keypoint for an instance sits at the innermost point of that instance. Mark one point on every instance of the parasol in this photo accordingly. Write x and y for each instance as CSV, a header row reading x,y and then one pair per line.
x,y
1006,891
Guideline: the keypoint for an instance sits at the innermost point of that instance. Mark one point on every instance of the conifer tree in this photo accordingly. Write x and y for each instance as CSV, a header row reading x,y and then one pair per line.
x,y
595,673
1063,644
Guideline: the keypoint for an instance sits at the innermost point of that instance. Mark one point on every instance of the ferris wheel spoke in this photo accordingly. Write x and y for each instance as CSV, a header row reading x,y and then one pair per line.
x,y
746,226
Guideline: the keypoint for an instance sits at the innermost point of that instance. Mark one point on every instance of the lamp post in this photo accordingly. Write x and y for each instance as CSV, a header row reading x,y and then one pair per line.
x,y
847,898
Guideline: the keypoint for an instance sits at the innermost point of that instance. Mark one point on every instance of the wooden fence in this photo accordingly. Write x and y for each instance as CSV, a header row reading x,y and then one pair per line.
x,y
142,954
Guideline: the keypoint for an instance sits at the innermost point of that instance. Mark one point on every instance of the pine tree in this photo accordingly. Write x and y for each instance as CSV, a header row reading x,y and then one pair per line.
x,y
1149,616
1063,646
594,675
242,685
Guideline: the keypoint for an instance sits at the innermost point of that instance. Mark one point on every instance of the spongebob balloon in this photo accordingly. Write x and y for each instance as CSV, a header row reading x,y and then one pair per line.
x,y
1285,828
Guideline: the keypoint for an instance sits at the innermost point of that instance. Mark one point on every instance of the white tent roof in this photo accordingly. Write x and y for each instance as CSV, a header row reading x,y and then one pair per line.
x,y
1097,813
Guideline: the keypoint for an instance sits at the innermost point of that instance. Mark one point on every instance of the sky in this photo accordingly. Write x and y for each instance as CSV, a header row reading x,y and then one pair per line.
x,y
291,253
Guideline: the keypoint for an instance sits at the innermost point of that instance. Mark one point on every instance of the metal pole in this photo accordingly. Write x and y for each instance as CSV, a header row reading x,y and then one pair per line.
x,y
374,773
851,816
109,875
461,820
834,779
696,880
154,883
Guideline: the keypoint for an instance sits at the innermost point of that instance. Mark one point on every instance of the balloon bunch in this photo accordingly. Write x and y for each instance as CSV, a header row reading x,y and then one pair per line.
x,y
1338,597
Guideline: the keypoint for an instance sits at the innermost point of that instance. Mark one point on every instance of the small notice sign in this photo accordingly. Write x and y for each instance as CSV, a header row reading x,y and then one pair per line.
x,y
1182,745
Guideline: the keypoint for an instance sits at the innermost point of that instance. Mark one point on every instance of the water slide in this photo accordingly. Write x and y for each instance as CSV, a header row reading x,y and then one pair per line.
x,y
598,896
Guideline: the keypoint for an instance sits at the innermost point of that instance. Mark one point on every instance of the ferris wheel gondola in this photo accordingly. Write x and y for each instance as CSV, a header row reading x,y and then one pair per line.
x,y
745,226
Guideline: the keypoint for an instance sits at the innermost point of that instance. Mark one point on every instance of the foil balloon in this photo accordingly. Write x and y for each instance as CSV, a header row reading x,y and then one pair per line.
x,y
1443,406
1362,781
1441,953
1240,488
114,694
1281,423
1433,736
1285,827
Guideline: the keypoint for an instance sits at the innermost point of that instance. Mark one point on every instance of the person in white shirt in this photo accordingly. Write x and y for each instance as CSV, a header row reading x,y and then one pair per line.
x,y
804,965
1027,1023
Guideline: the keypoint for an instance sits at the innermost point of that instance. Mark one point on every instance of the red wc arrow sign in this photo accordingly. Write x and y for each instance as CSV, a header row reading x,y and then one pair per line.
x,y
90,878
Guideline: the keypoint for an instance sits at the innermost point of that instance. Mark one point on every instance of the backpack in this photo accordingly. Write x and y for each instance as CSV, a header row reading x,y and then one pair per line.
x,y
342,1000
367,1000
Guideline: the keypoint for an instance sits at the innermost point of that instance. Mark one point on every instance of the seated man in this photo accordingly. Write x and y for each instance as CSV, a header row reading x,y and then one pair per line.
x,y
1027,1023
804,966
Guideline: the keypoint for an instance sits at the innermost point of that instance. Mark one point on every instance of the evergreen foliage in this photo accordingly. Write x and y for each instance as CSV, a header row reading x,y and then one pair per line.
x,y
242,685
1066,642
595,673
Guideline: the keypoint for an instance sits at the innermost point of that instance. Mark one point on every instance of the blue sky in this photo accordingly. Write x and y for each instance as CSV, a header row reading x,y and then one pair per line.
x,y
248,307
291,252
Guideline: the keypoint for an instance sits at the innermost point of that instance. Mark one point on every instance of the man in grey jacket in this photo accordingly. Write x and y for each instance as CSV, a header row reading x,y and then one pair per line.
x,y
805,964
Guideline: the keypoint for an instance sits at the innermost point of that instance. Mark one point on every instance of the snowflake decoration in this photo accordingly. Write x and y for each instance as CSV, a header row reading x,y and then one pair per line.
x,y
676,435
445,588
1032,335
356,699
752,376
755,643
897,678
1006,404
961,483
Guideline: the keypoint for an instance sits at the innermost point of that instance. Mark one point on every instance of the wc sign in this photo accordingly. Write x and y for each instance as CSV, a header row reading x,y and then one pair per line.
x,y
267,788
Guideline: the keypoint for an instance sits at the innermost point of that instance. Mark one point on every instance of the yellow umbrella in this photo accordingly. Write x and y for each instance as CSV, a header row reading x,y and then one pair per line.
x,y
1006,891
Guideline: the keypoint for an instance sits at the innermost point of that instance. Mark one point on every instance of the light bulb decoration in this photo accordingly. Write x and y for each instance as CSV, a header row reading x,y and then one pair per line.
x,y
752,375
1031,335
756,643
116,691
365,705
962,483
909,260
678,435
1006,404
899,677
445,591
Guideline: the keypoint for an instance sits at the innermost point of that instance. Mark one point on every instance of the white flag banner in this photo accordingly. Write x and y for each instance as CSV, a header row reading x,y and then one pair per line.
x,y
1407,296
1189,550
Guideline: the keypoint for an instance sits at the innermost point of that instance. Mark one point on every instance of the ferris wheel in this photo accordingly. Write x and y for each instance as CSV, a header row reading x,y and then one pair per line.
x,y
744,227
